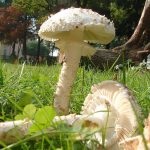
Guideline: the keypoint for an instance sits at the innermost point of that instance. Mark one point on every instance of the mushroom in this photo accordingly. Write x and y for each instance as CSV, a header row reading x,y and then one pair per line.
x,y
70,28
111,107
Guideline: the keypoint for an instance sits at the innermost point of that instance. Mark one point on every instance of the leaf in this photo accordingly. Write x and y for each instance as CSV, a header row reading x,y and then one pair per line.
x,y
26,98
43,118
29,111
45,115
19,117
35,128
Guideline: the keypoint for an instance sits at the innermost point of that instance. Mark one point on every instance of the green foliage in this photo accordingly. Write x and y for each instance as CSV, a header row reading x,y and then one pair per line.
x,y
45,115
125,15
37,85
25,97
28,112
35,8
118,13
33,85
43,119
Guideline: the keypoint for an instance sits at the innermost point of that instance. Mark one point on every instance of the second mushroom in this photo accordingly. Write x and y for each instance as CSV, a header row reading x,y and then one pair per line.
x,y
70,28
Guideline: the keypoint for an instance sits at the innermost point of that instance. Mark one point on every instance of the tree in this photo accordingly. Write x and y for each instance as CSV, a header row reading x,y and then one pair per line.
x,y
12,25
140,38
35,10
142,30
125,15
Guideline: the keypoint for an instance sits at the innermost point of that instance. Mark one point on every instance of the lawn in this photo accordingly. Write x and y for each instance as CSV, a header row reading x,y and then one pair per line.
x,y
24,84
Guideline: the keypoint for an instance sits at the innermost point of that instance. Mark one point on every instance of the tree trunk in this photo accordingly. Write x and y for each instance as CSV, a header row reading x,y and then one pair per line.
x,y
142,27
38,49
13,49
140,37
13,54
24,46
25,40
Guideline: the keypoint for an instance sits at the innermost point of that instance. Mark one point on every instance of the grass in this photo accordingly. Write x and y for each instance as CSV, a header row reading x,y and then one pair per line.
x,y
23,84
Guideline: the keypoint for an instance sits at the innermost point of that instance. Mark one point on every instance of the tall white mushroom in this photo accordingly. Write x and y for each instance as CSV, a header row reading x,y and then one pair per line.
x,y
70,28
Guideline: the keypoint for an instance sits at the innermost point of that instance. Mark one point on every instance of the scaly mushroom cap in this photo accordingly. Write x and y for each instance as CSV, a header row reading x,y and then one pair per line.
x,y
90,25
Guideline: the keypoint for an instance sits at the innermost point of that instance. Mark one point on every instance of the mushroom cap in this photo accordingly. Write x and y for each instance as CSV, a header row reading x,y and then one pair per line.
x,y
89,25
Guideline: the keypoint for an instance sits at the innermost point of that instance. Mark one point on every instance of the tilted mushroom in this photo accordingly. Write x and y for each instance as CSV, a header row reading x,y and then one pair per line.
x,y
70,28
110,106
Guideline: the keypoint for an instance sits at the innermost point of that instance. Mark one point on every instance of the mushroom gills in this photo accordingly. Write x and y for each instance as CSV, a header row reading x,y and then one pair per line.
x,y
122,121
108,108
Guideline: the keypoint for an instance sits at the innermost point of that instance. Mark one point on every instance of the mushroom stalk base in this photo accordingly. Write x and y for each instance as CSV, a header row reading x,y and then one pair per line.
x,y
66,78
12,131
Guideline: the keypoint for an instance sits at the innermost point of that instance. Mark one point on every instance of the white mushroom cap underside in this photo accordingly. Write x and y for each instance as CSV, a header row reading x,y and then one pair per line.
x,y
119,97
93,27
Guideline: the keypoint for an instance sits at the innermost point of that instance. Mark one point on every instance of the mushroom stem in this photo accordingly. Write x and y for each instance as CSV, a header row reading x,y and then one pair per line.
x,y
12,131
66,78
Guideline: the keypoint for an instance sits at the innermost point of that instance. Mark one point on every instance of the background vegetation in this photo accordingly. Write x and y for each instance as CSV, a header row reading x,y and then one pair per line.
x,y
23,84
125,15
